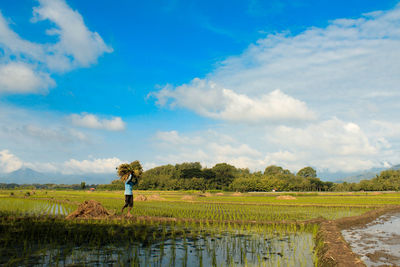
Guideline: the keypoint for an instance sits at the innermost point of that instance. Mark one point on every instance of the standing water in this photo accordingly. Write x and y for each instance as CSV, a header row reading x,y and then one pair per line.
x,y
377,243
224,249
34,207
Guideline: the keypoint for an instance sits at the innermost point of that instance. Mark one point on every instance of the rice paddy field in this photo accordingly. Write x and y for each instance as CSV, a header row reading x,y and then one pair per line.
x,y
170,228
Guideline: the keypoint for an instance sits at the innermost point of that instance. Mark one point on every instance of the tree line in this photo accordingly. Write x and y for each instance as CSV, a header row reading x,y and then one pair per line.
x,y
223,176
388,180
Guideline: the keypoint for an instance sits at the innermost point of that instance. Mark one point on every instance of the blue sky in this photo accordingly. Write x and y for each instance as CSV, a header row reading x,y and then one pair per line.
x,y
86,85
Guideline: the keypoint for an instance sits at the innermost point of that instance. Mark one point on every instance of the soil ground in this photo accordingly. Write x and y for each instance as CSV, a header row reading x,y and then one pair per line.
x,y
334,250
378,242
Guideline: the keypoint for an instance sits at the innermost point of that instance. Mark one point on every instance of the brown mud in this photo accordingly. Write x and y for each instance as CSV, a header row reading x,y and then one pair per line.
x,y
332,249
378,255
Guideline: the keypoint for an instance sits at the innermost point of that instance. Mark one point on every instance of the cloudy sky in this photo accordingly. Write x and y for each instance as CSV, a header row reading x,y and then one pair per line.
x,y
86,85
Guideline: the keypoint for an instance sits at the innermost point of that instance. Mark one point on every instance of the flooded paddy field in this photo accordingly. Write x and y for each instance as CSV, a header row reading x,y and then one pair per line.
x,y
35,207
378,242
171,228
36,241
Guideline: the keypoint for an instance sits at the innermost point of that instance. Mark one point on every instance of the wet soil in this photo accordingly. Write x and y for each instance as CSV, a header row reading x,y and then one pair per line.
x,y
378,242
333,250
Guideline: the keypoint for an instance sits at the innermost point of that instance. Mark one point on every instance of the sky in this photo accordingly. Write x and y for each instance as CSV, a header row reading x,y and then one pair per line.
x,y
87,85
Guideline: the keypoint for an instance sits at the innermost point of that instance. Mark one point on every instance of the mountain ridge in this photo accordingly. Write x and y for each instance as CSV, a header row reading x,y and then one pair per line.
x,y
357,176
30,176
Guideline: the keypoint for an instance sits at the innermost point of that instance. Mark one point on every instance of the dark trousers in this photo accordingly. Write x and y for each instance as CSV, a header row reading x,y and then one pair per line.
x,y
128,201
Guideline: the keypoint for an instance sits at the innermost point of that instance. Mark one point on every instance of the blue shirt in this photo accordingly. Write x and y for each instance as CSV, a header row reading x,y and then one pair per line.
x,y
128,187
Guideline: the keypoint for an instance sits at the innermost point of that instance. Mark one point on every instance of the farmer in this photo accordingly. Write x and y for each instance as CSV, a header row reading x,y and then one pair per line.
x,y
128,196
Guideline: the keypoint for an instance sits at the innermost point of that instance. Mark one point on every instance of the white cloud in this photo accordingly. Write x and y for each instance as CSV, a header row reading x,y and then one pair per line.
x,y
16,77
9,162
336,71
25,66
350,56
77,45
45,167
330,137
92,121
105,165
63,135
173,137
12,43
386,128
211,100
208,147
287,158
346,164
348,71
331,145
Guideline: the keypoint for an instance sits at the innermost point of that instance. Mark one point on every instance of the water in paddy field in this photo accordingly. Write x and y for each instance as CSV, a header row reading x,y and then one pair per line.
x,y
378,243
34,207
224,249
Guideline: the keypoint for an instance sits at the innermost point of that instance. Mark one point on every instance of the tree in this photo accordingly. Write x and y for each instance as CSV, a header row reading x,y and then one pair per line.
x,y
274,170
83,185
208,174
187,167
190,173
307,172
133,169
224,174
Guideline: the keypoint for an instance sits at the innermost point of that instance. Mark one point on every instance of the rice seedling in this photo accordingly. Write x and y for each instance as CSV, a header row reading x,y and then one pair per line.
x,y
226,230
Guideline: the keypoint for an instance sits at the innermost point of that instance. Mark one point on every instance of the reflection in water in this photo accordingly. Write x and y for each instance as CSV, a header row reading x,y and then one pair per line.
x,y
60,242
34,207
378,243
225,249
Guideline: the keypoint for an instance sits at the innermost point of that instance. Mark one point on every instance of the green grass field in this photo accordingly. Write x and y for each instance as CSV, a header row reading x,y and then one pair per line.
x,y
217,206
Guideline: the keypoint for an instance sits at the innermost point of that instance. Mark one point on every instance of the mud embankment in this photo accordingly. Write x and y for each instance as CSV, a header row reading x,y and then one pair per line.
x,y
332,249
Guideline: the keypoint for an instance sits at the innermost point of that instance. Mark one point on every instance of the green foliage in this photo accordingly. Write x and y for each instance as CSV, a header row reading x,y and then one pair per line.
x,y
185,176
279,179
115,185
224,175
307,172
83,185
192,176
274,170
388,180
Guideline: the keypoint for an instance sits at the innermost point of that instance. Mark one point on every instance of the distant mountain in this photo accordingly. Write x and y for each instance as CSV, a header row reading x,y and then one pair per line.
x,y
29,176
356,176
25,174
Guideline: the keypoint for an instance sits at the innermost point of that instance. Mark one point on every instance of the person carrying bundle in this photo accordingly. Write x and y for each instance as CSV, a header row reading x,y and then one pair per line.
x,y
130,174
128,195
